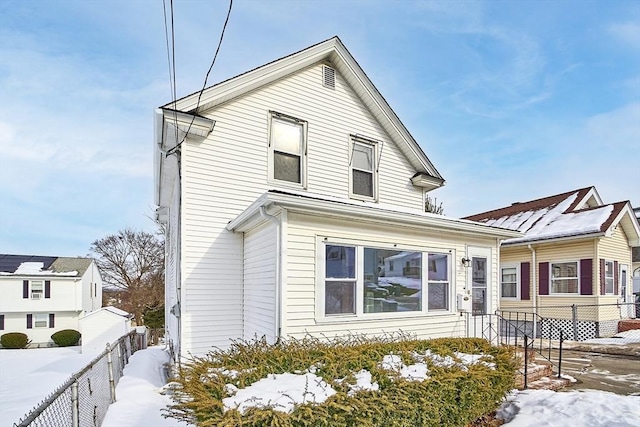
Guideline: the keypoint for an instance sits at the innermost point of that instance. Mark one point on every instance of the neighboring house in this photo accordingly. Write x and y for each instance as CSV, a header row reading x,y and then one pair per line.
x,y
284,192
576,250
40,295
635,259
103,326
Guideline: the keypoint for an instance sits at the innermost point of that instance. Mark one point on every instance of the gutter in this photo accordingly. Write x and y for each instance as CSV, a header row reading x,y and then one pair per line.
x,y
554,239
278,224
347,210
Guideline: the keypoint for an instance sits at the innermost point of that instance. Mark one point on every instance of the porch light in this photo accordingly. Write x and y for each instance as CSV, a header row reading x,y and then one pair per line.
x,y
466,262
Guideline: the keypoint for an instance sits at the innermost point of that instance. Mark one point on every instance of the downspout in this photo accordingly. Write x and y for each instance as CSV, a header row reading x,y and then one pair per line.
x,y
534,287
278,223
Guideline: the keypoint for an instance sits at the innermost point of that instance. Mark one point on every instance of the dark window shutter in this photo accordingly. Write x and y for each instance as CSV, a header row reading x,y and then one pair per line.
x,y
525,280
25,289
543,271
52,318
29,321
602,286
47,288
615,277
586,276
1,322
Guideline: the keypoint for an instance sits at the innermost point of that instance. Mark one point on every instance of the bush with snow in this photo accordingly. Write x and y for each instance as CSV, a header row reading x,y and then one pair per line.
x,y
390,381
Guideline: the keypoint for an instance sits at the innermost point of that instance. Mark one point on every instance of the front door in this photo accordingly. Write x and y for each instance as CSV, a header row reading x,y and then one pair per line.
x,y
479,276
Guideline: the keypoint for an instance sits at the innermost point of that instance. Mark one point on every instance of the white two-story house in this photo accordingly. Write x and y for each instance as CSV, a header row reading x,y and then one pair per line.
x,y
40,295
293,201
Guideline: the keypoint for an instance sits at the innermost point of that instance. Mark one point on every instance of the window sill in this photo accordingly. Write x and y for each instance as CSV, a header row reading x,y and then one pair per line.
x,y
381,317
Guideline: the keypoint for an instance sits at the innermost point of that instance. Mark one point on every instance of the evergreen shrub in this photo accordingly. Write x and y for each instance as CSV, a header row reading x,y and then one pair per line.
x,y
66,337
451,396
14,340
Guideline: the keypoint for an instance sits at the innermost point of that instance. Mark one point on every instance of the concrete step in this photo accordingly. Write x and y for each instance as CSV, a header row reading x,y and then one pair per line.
x,y
548,383
535,371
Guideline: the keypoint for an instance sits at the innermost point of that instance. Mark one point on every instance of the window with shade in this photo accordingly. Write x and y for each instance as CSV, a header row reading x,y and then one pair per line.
x,y
363,170
287,150
509,282
564,278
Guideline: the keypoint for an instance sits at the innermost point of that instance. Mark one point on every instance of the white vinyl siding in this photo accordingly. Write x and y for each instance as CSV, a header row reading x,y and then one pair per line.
x,y
302,313
226,172
259,283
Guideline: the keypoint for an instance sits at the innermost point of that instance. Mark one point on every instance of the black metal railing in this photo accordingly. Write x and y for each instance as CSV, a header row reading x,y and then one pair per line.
x,y
517,329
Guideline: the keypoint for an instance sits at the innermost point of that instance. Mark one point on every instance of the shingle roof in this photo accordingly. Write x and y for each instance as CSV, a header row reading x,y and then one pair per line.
x,y
15,264
553,217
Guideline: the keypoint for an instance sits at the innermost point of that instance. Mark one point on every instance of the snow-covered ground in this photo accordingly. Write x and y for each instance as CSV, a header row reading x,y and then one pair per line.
x,y
27,376
621,338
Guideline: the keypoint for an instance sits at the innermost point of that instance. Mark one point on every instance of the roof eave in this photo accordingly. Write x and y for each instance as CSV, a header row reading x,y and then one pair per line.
x,y
533,241
247,218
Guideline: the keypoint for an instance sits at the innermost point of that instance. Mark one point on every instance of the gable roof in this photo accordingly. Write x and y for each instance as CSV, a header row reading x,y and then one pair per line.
x,y
34,265
574,214
331,51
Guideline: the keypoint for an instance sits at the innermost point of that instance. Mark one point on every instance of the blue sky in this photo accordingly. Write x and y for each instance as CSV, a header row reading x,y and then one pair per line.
x,y
511,100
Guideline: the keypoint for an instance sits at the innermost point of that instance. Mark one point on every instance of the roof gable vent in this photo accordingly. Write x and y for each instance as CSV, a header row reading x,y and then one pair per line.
x,y
328,77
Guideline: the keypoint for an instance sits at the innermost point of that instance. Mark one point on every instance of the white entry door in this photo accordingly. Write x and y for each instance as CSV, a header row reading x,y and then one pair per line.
x,y
480,280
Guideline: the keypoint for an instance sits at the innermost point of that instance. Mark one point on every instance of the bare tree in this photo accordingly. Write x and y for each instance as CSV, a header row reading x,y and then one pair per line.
x,y
132,266
431,205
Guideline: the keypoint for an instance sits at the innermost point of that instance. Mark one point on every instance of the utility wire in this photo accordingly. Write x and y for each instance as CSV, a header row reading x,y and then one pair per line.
x,y
171,52
215,56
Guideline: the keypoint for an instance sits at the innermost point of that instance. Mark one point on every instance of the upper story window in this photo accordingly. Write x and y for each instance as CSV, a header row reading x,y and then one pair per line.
x,y
363,169
37,289
608,277
509,282
360,280
564,278
287,149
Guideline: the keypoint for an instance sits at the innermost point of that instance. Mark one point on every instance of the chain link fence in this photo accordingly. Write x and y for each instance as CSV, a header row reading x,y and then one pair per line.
x,y
577,322
83,400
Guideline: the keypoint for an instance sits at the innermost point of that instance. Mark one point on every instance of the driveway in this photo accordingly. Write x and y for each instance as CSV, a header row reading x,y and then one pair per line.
x,y
616,373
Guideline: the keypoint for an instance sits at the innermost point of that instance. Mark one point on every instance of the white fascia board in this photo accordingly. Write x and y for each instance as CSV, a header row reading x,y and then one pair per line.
x,y
385,109
628,223
334,51
351,211
523,242
260,76
195,125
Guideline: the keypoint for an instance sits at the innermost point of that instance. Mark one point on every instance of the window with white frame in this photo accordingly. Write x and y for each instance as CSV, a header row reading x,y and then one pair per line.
x,y
363,169
564,278
438,293
40,320
509,282
37,289
361,280
608,277
287,149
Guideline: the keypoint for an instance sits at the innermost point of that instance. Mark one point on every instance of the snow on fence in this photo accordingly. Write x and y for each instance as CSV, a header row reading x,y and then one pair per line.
x,y
83,399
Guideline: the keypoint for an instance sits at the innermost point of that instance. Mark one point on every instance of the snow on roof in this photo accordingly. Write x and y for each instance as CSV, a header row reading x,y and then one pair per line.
x,y
562,215
33,265
36,269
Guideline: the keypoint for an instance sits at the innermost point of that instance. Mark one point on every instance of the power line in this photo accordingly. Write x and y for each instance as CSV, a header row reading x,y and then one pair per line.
x,y
171,52
204,85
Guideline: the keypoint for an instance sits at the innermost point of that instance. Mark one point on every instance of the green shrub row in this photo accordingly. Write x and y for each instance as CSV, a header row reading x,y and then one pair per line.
x,y
63,338
450,397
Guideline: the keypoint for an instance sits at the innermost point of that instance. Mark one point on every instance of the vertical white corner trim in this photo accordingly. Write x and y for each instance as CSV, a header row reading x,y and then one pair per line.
x,y
534,286
278,278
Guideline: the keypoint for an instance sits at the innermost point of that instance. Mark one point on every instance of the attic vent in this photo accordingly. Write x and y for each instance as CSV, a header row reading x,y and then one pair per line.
x,y
328,77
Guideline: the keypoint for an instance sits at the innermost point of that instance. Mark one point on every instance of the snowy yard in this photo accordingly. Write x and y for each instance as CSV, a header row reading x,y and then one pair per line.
x,y
29,375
